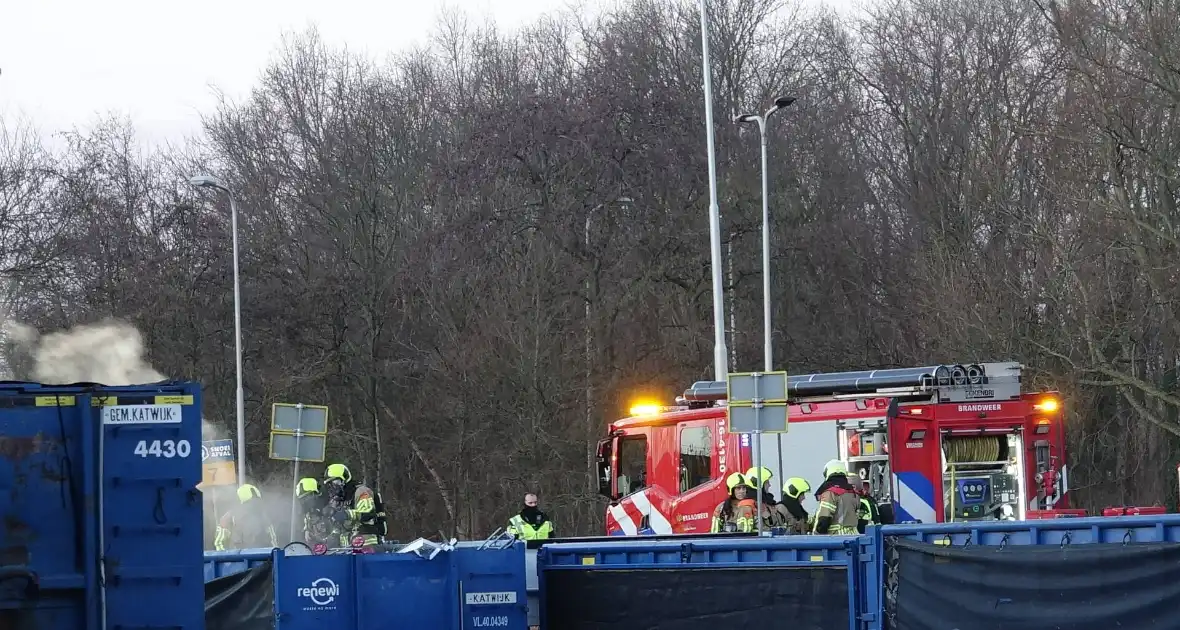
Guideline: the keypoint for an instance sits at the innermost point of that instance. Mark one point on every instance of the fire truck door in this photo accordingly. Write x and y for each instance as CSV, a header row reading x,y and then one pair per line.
x,y
915,459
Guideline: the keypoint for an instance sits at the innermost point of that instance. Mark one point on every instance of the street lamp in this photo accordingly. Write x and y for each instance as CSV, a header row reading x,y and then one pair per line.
x,y
720,359
208,181
779,103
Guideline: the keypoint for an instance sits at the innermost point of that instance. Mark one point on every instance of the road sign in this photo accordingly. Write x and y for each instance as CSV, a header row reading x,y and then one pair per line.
x,y
290,418
217,463
298,432
756,402
303,448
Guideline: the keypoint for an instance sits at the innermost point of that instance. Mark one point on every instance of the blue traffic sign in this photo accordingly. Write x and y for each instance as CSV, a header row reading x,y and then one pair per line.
x,y
213,451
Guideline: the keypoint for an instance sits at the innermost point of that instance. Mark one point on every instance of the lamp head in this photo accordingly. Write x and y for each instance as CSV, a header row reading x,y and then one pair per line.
x,y
207,181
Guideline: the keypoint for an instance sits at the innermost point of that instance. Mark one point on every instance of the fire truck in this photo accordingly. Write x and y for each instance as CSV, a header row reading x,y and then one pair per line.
x,y
931,444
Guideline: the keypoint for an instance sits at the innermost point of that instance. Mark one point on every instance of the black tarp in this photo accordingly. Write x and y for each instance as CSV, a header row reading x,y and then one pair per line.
x,y
242,601
1058,587
700,599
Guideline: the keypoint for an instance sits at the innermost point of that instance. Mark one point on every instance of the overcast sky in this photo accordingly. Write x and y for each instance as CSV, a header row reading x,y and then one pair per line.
x,y
61,61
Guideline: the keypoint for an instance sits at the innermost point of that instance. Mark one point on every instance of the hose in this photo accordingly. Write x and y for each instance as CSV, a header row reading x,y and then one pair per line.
x,y
975,448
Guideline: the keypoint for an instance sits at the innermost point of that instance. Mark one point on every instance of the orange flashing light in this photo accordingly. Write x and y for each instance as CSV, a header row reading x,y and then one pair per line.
x,y
646,409
1048,405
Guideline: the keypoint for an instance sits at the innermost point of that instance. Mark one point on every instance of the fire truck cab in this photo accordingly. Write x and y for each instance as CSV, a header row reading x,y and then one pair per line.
x,y
930,444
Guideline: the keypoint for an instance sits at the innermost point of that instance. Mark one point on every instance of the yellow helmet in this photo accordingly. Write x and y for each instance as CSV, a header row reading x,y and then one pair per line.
x,y
835,467
306,486
758,477
338,471
796,487
735,480
247,492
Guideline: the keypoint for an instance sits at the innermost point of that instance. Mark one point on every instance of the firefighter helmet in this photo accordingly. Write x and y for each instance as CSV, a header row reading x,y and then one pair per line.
x,y
759,476
796,487
338,471
735,480
307,486
247,492
835,467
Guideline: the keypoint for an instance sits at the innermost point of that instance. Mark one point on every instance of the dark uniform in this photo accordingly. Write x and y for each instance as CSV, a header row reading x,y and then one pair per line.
x,y
354,507
317,527
867,512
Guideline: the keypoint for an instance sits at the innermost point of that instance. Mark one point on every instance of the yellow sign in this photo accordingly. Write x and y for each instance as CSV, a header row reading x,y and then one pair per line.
x,y
218,474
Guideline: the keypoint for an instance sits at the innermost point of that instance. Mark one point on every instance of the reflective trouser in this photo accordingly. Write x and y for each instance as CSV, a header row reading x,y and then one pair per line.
x,y
370,540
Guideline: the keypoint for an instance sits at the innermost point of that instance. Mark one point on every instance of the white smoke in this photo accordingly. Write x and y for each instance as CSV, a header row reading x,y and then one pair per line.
x,y
109,352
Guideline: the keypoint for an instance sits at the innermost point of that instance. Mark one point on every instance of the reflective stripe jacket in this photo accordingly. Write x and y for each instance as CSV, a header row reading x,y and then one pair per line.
x,y
841,506
245,526
740,519
524,530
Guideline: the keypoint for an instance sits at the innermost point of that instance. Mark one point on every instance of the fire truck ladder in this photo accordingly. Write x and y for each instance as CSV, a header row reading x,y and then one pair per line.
x,y
977,382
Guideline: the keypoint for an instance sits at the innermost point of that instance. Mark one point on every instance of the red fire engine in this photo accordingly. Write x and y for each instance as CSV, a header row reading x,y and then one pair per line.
x,y
931,444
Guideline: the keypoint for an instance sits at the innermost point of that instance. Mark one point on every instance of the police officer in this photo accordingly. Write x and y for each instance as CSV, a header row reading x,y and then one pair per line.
x,y
245,525
731,515
839,503
353,507
790,510
530,523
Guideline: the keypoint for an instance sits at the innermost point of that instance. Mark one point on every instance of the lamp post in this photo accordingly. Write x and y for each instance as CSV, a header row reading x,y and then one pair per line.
x,y
779,103
208,181
767,350
720,359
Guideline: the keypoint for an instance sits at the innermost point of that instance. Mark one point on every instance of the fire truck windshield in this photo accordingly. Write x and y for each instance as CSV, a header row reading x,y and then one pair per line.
x,y
604,471
632,473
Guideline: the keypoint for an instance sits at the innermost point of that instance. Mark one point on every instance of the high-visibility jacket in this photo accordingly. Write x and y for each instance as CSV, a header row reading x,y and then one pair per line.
x,y
866,513
365,517
245,526
524,530
739,519
838,506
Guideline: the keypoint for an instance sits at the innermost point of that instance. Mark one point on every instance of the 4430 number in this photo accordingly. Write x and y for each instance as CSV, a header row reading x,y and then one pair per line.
x,y
163,448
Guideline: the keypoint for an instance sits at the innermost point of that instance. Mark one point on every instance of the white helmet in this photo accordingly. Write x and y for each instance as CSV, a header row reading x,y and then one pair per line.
x,y
835,467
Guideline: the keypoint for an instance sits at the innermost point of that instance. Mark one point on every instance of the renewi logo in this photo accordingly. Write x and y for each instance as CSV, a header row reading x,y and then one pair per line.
x,y
322,592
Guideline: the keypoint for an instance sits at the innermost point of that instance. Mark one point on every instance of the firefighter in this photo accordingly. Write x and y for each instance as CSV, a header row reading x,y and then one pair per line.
x,y
754,475
770,515
791,513
531,523
354,507
867,513
245,525
317,528
839,502
731,515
